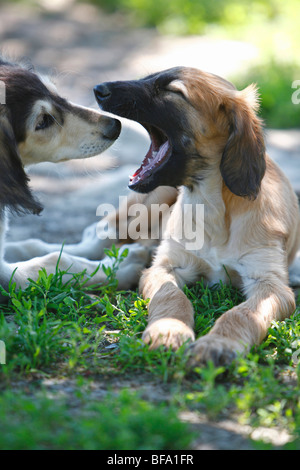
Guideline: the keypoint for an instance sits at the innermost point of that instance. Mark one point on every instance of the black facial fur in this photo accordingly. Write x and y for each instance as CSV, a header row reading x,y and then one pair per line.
x,y
23,89
146,102
14,189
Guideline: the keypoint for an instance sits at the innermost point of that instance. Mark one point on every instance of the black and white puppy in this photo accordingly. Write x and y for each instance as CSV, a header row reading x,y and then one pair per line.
x,y
37,124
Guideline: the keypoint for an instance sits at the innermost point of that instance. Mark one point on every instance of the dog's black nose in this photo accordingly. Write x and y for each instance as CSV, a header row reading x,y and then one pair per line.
x,y
113,129
102,92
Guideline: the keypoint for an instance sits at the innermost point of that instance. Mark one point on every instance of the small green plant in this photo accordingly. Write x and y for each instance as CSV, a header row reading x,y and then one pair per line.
x,y
53,319
110,271
120,422
63,328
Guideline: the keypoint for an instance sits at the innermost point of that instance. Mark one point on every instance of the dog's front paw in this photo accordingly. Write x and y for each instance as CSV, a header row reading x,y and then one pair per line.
x,y
215,348
168,332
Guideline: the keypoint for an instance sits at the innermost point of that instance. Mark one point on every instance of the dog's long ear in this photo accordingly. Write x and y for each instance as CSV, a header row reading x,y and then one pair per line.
x,y
243,162
14,189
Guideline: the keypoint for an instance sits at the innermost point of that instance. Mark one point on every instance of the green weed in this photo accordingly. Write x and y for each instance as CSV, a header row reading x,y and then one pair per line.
x,y
120,422
61,327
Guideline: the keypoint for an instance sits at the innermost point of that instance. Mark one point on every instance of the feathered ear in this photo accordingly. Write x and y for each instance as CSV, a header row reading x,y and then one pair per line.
x,y
14,189
243,162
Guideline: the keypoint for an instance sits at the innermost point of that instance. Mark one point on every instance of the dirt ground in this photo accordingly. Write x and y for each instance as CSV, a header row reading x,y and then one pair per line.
x,y
80,47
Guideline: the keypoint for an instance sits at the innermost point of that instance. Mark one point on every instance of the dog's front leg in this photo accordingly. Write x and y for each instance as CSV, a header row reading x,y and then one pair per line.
x,y
171,315
246,324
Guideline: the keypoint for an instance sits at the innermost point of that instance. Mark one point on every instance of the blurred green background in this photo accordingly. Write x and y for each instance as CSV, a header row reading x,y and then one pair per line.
x,y
270,25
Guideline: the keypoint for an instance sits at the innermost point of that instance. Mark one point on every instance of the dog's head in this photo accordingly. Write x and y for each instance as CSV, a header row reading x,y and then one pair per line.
x,y
36,124
197,122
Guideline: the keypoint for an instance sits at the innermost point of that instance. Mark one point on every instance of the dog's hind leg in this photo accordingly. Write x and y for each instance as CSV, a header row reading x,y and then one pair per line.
x,y
127,275
90,247
114,227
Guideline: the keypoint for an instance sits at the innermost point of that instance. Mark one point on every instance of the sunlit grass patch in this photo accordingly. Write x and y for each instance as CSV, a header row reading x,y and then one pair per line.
x,y
54,328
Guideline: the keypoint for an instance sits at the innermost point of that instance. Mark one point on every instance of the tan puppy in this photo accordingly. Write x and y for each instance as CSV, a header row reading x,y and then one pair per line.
x,y
207,140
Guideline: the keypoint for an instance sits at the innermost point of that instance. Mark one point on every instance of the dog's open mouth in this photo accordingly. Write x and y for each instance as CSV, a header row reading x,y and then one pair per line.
x,y
157,155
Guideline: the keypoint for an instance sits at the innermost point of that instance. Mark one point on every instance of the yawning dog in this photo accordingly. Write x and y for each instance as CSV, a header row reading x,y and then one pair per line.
x,y
207,141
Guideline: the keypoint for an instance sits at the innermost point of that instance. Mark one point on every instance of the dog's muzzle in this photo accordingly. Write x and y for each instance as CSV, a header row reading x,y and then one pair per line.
x,y
102,92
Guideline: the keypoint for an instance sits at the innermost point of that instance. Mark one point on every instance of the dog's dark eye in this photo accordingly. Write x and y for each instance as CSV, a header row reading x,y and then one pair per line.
x,y
177,87
176,92
45,121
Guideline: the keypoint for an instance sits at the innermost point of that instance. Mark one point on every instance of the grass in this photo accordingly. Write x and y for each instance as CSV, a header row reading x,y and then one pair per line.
x,y
61,331
118,422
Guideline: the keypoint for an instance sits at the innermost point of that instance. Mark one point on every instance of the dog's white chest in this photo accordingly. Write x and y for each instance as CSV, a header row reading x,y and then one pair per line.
x,y
219,265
